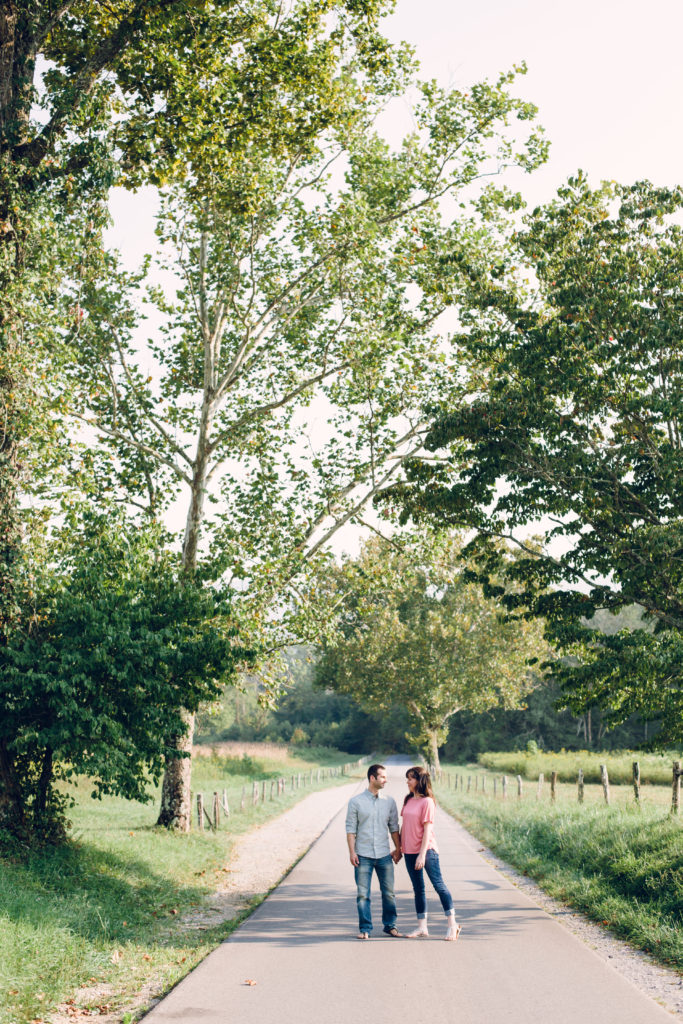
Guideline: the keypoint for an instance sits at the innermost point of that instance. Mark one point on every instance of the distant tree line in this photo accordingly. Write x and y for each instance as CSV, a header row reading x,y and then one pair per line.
x,y
311,715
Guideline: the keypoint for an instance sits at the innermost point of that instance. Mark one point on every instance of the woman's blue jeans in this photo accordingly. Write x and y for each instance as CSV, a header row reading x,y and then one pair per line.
x,y
384,866
433,869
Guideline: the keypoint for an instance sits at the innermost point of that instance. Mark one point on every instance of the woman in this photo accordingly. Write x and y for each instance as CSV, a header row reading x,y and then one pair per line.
x,y
421,853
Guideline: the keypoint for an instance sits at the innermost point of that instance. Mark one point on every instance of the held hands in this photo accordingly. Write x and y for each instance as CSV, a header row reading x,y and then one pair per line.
x,y
396,856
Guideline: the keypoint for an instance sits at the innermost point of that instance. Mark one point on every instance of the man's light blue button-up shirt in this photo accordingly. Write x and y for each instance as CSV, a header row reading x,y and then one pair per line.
x,y
371,818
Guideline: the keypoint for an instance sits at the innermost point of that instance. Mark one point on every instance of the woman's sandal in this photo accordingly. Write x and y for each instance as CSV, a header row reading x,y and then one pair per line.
x,y
393,933
453,937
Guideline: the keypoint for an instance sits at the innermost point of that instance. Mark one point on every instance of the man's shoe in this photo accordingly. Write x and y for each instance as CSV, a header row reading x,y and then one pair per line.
x,y
394,933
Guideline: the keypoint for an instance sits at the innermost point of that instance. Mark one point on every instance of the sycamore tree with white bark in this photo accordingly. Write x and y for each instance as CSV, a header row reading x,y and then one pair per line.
x,y
296,357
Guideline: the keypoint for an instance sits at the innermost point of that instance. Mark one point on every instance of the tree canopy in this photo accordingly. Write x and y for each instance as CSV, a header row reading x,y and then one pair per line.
x,y
574,419
413,631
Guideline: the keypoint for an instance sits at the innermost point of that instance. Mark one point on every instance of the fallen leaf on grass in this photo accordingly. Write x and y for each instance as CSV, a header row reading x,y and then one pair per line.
x,y
40,996
173,911
249,981
182,960
116,956
146,956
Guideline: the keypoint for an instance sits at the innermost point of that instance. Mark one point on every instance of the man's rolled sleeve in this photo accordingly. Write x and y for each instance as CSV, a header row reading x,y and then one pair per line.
x,y
393,817
352,819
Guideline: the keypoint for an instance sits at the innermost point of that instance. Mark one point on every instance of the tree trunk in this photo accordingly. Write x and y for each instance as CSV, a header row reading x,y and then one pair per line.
x,y
434,749
176,804
44,783
12,816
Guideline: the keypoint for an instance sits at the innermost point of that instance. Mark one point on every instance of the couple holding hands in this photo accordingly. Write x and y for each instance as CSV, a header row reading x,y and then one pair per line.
x,y
370,819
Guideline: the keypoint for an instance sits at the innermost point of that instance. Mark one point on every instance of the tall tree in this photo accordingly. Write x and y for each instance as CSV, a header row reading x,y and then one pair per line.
x,y
577,419
133,92
413,631
93,93
299,289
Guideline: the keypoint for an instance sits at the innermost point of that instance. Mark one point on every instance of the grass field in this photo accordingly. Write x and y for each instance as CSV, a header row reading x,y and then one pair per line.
x,y
621,865
655,769
103,911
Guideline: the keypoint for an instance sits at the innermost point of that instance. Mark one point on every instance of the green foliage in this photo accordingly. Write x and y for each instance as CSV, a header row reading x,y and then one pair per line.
x,y
98,911
327,718
654,770
575,407
413,631
115,646
620,867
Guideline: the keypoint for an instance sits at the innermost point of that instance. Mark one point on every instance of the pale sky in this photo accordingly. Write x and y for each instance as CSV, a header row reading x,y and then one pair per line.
x,y
607,76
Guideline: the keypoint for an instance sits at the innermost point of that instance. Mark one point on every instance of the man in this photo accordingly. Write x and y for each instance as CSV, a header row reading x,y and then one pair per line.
x,y
370,818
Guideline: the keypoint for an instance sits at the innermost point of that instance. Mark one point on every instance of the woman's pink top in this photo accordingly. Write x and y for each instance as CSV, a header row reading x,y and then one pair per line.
x,y
416,813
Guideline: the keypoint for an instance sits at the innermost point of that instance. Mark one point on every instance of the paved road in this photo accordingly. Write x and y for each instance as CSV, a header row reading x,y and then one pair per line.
x,y
513,964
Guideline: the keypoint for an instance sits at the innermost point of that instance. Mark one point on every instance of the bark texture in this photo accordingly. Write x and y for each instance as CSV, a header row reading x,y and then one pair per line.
x,y
176,804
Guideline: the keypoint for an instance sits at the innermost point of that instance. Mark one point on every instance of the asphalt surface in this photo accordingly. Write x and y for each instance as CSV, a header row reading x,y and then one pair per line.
x,y
513,964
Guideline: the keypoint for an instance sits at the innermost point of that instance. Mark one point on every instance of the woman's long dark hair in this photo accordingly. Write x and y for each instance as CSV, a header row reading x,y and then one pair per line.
x,y
424,783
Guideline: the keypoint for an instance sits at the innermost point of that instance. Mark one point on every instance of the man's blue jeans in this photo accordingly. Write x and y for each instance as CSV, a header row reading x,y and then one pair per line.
x,y
433,869
384,866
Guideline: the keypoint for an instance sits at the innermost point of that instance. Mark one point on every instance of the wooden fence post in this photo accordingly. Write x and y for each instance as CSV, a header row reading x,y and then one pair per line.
x,y
483,783
495,786
553,785
244,791
272,783
216,811
636,781
580,785
476,783
226,805
263,791
200,812
604,777
539,787
505,787
254,793
676,788
469,783
519,787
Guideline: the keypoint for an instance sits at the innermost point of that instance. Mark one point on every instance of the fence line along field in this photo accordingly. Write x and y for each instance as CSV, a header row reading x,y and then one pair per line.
x,y
593,845
655,769
497,785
